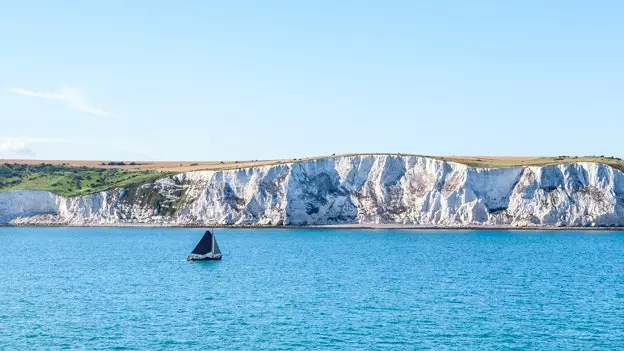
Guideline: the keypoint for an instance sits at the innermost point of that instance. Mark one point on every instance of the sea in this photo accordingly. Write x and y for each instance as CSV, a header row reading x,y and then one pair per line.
x,y
311,289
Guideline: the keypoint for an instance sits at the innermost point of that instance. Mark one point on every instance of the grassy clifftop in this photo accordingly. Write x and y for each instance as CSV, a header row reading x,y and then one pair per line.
x,y
501,161
512,161
71,178
70,181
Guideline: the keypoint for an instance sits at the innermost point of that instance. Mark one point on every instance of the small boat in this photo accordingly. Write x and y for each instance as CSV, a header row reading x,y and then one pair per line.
x,y
207,249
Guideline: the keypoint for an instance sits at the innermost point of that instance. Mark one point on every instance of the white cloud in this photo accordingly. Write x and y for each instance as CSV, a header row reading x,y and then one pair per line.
x,y
19,147
72,97
25,146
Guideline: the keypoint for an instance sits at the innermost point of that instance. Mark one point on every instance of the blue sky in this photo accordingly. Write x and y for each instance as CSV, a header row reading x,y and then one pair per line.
x,y
211,80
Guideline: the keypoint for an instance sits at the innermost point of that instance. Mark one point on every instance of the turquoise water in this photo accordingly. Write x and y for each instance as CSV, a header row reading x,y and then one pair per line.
x,y
130,289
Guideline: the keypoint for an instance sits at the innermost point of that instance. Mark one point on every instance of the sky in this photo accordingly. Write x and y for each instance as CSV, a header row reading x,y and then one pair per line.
x,y
225,80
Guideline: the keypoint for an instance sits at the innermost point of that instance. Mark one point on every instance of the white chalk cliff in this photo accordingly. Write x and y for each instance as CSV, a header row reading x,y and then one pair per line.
x,y
365,189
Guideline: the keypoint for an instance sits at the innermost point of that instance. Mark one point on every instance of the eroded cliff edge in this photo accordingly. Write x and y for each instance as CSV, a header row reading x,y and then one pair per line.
x,y
365,189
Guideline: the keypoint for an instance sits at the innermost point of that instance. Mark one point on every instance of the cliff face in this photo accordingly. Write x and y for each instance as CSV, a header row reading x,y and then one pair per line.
x,y
370,189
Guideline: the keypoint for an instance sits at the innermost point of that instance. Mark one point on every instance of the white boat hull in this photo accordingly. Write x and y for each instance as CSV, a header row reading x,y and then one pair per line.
x,y
204,258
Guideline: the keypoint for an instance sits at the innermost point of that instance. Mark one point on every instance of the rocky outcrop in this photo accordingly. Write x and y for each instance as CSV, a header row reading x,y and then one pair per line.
x,y
365,189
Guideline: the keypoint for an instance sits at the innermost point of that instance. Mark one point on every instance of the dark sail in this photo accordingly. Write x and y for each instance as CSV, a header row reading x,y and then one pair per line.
x,y
205,244
216,250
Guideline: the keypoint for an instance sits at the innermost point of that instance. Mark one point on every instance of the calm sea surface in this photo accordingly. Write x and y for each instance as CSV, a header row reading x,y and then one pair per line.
x,y
131,289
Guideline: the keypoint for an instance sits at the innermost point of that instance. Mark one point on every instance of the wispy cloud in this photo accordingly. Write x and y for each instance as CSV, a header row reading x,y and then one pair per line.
x,y
71,97
25,146
28,146
18,147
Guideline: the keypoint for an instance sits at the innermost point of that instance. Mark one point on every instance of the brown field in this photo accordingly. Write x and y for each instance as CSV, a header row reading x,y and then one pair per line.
x,y
509,161
165,166
185,166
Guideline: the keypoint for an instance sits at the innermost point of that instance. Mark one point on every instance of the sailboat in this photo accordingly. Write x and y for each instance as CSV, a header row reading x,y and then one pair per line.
x,y
207,249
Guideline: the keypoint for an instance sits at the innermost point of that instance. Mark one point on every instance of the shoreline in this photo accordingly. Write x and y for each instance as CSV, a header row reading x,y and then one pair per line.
x,y
330,226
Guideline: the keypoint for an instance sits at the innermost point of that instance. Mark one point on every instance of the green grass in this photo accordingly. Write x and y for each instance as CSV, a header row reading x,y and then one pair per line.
x,y
151,197
70,181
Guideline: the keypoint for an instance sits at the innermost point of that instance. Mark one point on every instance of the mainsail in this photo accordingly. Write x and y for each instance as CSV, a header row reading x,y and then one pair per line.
x,y
216,247
205,245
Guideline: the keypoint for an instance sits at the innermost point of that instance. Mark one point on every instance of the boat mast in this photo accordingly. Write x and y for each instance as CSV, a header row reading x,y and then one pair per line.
x,y
213,244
